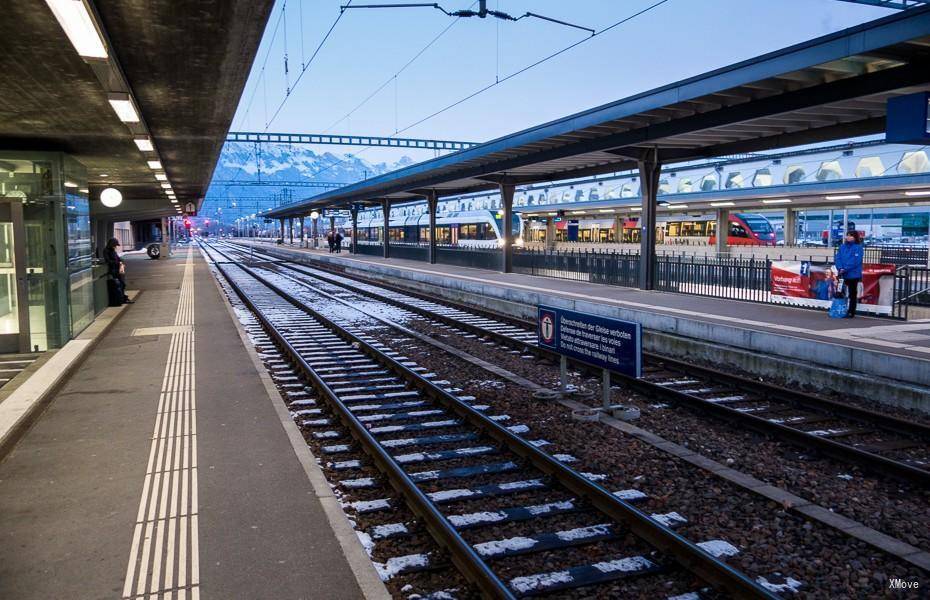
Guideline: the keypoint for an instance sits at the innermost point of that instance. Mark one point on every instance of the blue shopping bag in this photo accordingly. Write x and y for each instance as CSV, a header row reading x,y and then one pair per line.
x,y
838,308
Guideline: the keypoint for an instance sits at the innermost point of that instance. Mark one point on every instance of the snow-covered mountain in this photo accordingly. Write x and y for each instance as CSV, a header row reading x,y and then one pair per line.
x,y
279,164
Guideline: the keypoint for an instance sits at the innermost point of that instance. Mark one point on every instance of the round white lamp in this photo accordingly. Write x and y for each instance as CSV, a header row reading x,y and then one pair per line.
x,y
111,197
314,215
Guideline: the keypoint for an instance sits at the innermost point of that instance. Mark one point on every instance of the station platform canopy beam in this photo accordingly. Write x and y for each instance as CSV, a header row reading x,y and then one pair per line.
x,y
346,140
895,4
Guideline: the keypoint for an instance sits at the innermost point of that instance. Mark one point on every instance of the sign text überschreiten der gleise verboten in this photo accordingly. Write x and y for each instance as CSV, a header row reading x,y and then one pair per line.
x,y
599,341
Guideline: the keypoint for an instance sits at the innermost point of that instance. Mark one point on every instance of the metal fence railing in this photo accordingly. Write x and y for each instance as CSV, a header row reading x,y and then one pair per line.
x,y
896,255
731,278
369,249
478,258
614,268
410,251
911,288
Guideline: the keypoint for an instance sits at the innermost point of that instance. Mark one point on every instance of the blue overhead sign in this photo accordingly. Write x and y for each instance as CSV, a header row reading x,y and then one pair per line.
x,y
908,121
599,341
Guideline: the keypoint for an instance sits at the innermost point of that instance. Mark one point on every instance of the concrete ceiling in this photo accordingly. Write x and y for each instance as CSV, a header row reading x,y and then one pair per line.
x,y
186,64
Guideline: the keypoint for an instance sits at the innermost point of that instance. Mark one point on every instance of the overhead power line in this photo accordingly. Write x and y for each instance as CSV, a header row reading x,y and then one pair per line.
x,y
510,76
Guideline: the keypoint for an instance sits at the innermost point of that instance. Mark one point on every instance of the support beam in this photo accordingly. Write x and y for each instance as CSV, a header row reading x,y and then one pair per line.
x,y
791,227
723,231
303,233
332,226
507,227
290,230
550,233
386,239
281,221
355,208
649,169
432,202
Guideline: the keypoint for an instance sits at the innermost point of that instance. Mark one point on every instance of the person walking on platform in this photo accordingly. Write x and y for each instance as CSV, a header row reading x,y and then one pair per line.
x,y
331,242
849,263
338,240
116,273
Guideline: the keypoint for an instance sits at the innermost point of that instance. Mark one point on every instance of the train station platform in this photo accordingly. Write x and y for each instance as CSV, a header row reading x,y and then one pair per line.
x,y
876,358
167,466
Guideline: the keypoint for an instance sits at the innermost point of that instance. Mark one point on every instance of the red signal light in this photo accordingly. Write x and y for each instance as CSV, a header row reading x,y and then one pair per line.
x,y
187,223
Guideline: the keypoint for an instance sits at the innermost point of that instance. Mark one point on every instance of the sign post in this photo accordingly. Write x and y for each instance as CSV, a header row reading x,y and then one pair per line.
x,y
612,345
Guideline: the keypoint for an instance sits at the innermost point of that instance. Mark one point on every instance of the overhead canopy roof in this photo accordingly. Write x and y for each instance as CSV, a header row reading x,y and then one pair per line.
x,y
186,64
828,88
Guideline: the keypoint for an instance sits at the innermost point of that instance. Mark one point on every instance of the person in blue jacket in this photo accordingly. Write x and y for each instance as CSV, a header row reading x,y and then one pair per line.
x,y
849,263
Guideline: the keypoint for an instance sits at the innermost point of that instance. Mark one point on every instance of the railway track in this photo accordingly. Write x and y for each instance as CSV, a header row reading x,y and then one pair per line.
x,y
439,449
883,444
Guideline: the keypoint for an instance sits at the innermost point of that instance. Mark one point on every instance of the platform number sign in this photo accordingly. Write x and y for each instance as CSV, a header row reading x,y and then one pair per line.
x,y
602,342
547,328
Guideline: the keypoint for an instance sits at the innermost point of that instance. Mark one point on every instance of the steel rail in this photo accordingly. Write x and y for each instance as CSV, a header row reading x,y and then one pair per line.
x,y
462,554
836,450
690,556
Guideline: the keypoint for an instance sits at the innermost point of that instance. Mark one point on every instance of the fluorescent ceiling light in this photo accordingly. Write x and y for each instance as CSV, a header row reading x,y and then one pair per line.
x,y
918,193
155,165
166,185
779,200
552,214
677,206
161,177
84,191
174,200
723,203
637,208
605,210
74,18
144,143
844,197
70,184
123,107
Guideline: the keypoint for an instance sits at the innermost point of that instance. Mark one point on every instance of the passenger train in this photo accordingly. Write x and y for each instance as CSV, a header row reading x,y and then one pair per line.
x,y
467,228
482,229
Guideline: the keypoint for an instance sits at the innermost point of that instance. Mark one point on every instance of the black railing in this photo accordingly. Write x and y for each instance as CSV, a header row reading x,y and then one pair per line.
x,y
370,249
610,268
731,278
911,288
896,255
478,258
410,251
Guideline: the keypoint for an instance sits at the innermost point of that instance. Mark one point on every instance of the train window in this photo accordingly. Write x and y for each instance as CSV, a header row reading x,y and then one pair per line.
x,y
758,223
737,230
914,162
709,182
870,166
674,229
829,170
685,185
762,177
794,174
734,180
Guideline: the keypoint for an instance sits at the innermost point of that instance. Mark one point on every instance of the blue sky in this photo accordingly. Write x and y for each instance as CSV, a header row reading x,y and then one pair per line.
x,y
678,39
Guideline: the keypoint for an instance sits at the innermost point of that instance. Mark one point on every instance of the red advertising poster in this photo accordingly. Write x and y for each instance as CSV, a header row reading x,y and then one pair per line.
x,y
803,284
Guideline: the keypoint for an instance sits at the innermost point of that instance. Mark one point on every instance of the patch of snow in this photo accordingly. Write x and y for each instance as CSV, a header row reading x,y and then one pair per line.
x,y
790,585
364,506
718,548
581,533
529,583
845,476
668,519
594,476
496,547
398,564
624,565
364,482
519,429
565,458
336,448
388,530
630,494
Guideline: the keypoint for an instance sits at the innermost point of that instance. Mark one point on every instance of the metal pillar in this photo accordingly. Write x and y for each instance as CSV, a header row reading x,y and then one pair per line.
x,y
432,202
332,227
507,227
290,230
354,210
790,229
723,230
303,233
550,233
281,221
649,169
386,239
